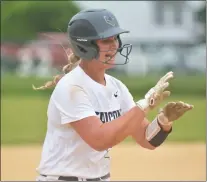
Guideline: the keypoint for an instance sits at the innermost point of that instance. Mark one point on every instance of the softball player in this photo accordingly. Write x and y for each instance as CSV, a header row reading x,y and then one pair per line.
x,y
90,111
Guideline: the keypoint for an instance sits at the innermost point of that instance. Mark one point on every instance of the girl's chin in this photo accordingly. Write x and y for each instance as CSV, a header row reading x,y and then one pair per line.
x,y
108,66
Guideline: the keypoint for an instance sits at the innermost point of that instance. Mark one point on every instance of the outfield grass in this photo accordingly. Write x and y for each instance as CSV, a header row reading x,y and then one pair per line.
x,y
180,85
24,120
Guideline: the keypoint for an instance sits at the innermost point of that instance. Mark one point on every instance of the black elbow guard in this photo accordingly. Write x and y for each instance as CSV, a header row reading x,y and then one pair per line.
x,y
155,134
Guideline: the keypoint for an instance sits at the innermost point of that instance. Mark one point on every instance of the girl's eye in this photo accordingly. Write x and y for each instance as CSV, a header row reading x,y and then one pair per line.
x,y
109,40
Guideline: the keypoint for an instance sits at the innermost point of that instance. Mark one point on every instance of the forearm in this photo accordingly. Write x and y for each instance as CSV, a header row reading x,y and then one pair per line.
x,y
125,133
141,137
139,134
117,130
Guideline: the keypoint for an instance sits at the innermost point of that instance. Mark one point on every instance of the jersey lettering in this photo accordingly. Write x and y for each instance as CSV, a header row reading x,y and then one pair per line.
x,y
108,116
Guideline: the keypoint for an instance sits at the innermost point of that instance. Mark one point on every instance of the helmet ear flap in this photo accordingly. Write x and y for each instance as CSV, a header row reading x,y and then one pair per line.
x,y
96,49
86,50
120,42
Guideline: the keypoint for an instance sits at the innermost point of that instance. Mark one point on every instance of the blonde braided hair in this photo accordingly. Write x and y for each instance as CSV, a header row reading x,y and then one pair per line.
x,y
73,61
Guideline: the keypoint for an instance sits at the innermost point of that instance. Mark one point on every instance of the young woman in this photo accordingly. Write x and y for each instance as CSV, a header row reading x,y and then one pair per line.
x,y
89,111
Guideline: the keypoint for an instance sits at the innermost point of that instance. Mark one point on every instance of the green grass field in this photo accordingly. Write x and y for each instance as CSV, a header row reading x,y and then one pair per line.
x,y
24,120
24,111
180,85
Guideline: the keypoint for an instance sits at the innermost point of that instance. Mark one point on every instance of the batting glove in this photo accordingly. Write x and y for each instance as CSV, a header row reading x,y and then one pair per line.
x,y
156,94
173,111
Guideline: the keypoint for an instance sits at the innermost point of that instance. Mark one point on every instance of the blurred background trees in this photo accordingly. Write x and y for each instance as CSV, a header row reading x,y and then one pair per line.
x,y
35,16
171,37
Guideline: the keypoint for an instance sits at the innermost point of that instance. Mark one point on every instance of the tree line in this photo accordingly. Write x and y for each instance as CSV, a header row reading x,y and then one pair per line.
x,y
21,20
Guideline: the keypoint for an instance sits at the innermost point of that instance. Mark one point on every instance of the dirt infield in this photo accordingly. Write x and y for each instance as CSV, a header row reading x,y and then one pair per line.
x,y
129,162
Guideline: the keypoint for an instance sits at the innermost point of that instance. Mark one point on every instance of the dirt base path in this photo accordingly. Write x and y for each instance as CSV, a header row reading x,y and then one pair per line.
x,y
129,162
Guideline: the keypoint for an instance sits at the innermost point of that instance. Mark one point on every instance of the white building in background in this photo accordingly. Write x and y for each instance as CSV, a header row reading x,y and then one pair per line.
x,y
149,22
153,20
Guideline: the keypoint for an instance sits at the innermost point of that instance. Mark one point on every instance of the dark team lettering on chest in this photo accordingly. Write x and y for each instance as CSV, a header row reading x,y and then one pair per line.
x,y
108,116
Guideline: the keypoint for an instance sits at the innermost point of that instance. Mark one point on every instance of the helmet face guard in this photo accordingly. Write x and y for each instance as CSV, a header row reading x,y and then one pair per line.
x,y
124,51
86,27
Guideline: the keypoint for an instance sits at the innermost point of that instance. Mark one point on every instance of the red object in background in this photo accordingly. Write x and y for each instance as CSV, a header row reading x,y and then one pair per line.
x,y
51,43
10,49
56,42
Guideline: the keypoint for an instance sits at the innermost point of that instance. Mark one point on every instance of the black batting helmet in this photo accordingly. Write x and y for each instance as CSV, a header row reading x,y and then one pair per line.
x,y
90,25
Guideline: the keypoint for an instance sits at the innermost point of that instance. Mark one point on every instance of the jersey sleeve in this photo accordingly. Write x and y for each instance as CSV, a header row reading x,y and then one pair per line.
x,y
127,101
73,104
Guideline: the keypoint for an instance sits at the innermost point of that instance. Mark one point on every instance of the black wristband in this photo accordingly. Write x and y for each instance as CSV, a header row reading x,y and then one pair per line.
x,y
160,137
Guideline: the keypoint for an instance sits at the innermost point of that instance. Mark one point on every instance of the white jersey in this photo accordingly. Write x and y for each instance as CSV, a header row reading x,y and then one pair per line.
x,y
75,97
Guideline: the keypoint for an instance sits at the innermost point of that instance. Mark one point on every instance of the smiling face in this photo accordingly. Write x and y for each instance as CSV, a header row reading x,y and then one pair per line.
x,y
107,50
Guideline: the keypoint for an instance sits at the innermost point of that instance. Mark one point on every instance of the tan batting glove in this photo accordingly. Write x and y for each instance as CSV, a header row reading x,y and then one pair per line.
x,y
156,94
172,111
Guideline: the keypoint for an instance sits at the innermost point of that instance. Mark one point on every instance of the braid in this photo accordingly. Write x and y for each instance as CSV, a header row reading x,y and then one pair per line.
x,y
73,61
